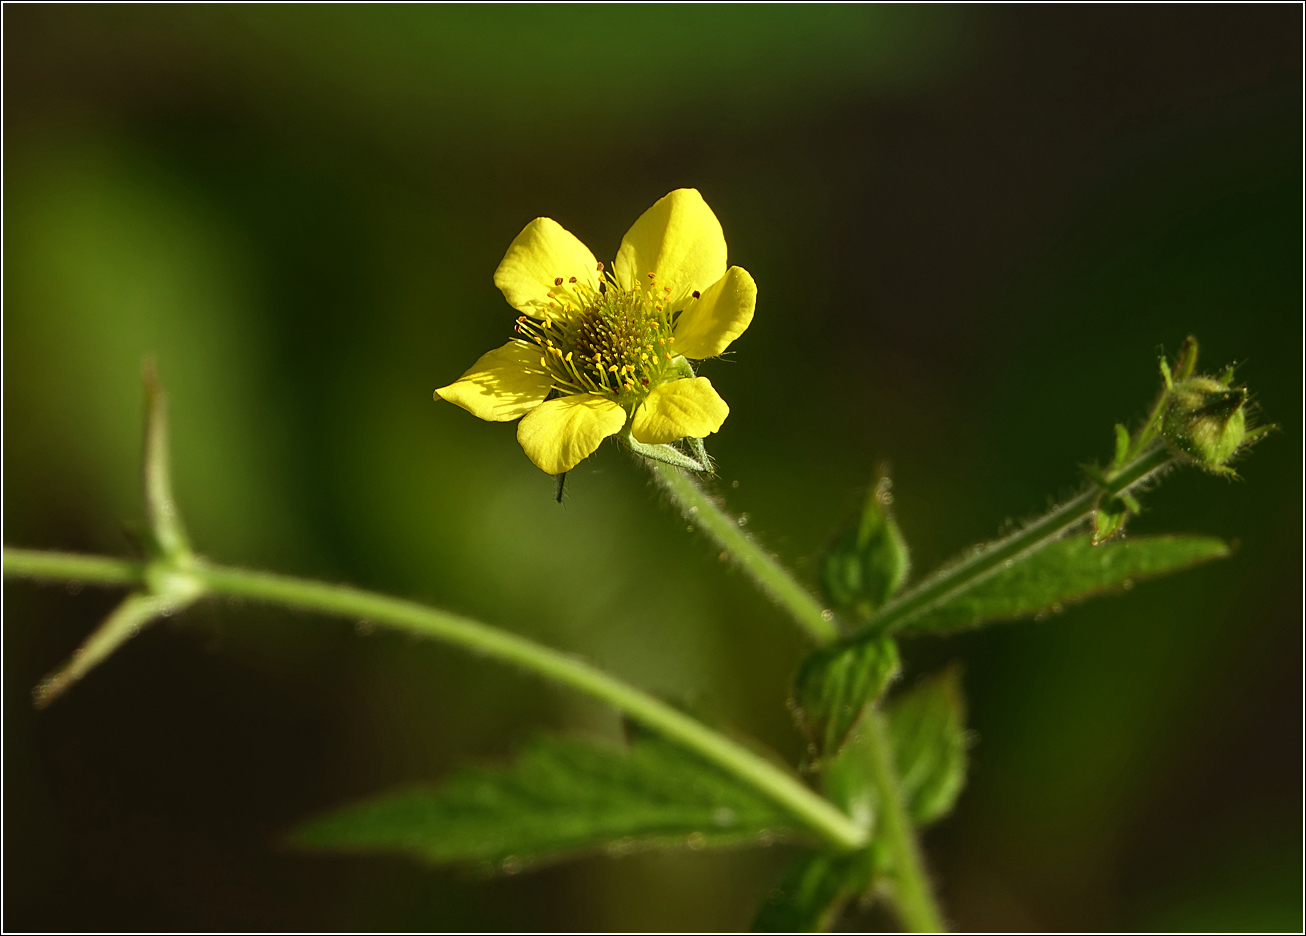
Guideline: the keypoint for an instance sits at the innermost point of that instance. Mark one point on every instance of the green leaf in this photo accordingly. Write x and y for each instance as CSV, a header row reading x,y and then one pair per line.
x,y
561,797
927,730
1066,571
812,892
835,684
868,563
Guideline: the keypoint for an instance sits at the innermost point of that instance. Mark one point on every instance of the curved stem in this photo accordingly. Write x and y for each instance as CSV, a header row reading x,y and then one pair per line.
x,y
812,810
769,575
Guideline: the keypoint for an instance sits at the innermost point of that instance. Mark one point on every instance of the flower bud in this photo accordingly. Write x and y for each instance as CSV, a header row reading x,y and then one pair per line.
x,y
1205,419
869,562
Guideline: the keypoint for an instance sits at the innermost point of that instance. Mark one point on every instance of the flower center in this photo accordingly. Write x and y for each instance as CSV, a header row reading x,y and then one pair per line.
x,y
613,342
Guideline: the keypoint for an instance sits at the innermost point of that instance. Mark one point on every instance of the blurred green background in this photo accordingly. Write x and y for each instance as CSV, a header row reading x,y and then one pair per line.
x,y
973,230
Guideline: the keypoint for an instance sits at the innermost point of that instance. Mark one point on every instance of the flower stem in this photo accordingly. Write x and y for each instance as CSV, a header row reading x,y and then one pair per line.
x,y
896,614
912,894
817,813
768,574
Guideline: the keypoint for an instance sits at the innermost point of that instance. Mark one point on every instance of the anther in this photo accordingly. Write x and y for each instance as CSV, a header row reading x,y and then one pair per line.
x,y
667,288
557,282
572,280
695,294
600,266
650,276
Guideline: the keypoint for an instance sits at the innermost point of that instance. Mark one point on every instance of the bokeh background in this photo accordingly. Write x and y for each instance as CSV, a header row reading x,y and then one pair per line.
x,y
973,229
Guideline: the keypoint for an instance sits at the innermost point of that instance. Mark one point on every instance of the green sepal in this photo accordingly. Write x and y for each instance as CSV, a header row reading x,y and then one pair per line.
x,y
1186,360
834,686
868,562
1108,522
1122,447
667,454
813,890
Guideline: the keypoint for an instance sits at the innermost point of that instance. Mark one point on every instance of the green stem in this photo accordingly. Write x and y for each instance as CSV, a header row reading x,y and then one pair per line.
x,y
160,506
769,575
813,810
73,567
952,581
912,894
136,611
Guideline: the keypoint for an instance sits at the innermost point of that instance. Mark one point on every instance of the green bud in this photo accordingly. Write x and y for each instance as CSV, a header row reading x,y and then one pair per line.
x,y
869,562
1205,419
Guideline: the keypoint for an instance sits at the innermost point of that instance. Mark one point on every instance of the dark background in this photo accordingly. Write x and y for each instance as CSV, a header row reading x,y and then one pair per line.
x,y
973,231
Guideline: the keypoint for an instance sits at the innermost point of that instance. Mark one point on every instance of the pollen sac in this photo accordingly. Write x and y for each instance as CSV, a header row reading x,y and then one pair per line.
x,y
1205,419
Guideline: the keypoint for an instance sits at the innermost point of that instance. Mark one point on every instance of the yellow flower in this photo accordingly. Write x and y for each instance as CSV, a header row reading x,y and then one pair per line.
x,y
607,353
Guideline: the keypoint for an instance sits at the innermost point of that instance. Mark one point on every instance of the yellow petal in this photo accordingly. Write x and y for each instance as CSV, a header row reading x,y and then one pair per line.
x,y
710,323
543,253
501,385
679,240
687,407
560,434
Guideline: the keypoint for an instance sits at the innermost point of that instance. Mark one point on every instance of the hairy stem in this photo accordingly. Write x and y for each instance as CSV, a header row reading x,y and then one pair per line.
x,y
769,575
912,895
136,611
817,813
943,586
73,567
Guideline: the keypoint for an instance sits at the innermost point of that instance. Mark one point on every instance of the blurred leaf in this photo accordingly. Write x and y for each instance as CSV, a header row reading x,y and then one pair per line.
x,y
835,684
813,891
927,730
562,796
868,563
1065,571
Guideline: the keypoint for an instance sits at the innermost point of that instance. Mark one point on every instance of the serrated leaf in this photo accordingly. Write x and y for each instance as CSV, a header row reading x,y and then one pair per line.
x,y
927,731
812,892
561,797
835,684
1066,571
869,562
